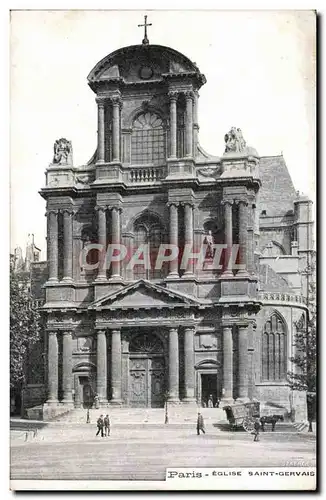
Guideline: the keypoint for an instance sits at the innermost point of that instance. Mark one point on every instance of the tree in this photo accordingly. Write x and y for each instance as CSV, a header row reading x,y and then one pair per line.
x,y
303,377
25,327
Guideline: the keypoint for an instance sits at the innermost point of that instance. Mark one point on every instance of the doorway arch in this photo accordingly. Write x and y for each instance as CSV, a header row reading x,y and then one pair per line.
x,y
147,381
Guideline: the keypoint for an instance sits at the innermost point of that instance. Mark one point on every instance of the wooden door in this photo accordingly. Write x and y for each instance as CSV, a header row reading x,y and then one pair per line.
x,y
138,382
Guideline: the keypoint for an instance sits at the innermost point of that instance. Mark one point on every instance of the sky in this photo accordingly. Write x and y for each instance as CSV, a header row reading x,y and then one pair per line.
x,y
259,66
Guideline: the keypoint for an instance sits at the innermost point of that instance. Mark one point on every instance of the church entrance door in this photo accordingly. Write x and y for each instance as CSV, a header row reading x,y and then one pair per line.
x,y
208,389
146,372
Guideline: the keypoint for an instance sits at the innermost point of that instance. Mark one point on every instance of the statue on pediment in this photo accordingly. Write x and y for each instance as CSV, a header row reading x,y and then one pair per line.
x,y
234,141
62,152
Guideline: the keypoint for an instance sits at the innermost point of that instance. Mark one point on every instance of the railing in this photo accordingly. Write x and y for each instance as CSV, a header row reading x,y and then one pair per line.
x,y
141,175
283,297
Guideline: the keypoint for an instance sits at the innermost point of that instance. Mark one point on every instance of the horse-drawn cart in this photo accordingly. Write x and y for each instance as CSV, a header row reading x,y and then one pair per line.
x,y
243,414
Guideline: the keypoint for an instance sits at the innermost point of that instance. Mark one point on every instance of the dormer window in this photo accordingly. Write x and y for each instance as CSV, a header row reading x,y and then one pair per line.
x,y
148,140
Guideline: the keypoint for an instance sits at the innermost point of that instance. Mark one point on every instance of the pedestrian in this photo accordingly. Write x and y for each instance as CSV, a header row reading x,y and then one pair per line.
x,y
256,429
107,425
210,403
88,420
100,425
200,423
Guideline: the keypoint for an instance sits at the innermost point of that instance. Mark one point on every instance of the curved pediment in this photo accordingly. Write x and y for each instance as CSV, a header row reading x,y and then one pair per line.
x,y
143,295
141,63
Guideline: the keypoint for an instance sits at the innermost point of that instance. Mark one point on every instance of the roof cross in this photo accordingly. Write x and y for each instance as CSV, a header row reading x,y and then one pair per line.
x,y
145,40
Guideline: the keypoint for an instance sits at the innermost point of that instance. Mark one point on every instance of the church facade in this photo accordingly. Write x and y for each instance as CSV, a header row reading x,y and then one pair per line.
x,y
144,323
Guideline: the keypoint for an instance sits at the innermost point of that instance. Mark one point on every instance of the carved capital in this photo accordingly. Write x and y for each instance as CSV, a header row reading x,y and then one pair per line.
x,y
172,203
101,101
69,211
116,100
67,333
52,333
100,208
189,95
51,211
241,201
116,208
173,95
227,202
187,203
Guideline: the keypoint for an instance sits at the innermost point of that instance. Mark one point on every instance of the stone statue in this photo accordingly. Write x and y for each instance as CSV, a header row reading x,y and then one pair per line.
x,y
234,141
62,152
209,241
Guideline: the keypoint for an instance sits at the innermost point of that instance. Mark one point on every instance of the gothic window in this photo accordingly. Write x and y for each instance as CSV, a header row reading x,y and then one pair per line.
x,y
147,140
149,232
274,349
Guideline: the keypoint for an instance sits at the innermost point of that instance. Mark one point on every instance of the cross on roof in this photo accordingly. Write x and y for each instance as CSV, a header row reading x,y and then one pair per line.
x,y
145,39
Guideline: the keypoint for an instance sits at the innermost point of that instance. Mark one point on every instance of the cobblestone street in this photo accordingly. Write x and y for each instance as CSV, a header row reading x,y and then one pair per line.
x,y
145,453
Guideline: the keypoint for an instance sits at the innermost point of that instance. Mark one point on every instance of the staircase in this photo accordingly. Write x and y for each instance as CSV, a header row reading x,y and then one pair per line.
x,y
184,415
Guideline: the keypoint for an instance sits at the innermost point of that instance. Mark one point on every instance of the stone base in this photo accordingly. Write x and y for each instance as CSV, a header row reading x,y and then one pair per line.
x,y
52,402
226,402
115,402
189,402
68,403
242,400
173,402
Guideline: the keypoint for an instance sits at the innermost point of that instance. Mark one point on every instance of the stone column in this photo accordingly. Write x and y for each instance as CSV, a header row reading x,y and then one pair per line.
x,y
189,364
174,238
228,238
116,102
195,119
101,275
173,124
227,364
52,220
173,365
189,234
100,131
250,235
52,368
116,372
129,242
243,235
101,360
243,362
189,124
67,368
67,244
116,239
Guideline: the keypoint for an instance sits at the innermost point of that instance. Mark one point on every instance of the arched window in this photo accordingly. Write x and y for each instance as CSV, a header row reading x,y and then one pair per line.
x,y
147,140
274,349
148,231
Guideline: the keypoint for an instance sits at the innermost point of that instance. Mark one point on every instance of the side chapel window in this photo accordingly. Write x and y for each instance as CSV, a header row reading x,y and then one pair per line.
x,y
274,349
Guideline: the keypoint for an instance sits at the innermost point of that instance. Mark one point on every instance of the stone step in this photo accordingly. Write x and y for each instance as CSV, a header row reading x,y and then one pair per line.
x,y
145,415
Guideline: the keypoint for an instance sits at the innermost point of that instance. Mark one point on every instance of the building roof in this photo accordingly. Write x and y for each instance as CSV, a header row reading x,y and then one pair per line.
x,y
277,192
159,62
270,281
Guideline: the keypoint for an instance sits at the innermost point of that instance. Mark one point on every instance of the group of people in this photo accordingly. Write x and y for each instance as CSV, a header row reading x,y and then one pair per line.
x,y
103,425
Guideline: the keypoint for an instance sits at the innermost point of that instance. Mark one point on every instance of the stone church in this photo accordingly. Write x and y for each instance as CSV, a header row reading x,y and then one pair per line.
x,y
136,336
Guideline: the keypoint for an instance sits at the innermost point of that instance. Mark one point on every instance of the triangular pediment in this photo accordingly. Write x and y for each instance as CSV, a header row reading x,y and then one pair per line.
x,y
143,294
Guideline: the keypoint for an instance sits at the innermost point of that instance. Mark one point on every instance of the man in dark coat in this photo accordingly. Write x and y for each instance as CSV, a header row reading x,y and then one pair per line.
x,y
256,429
106,425
200,423
100,425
